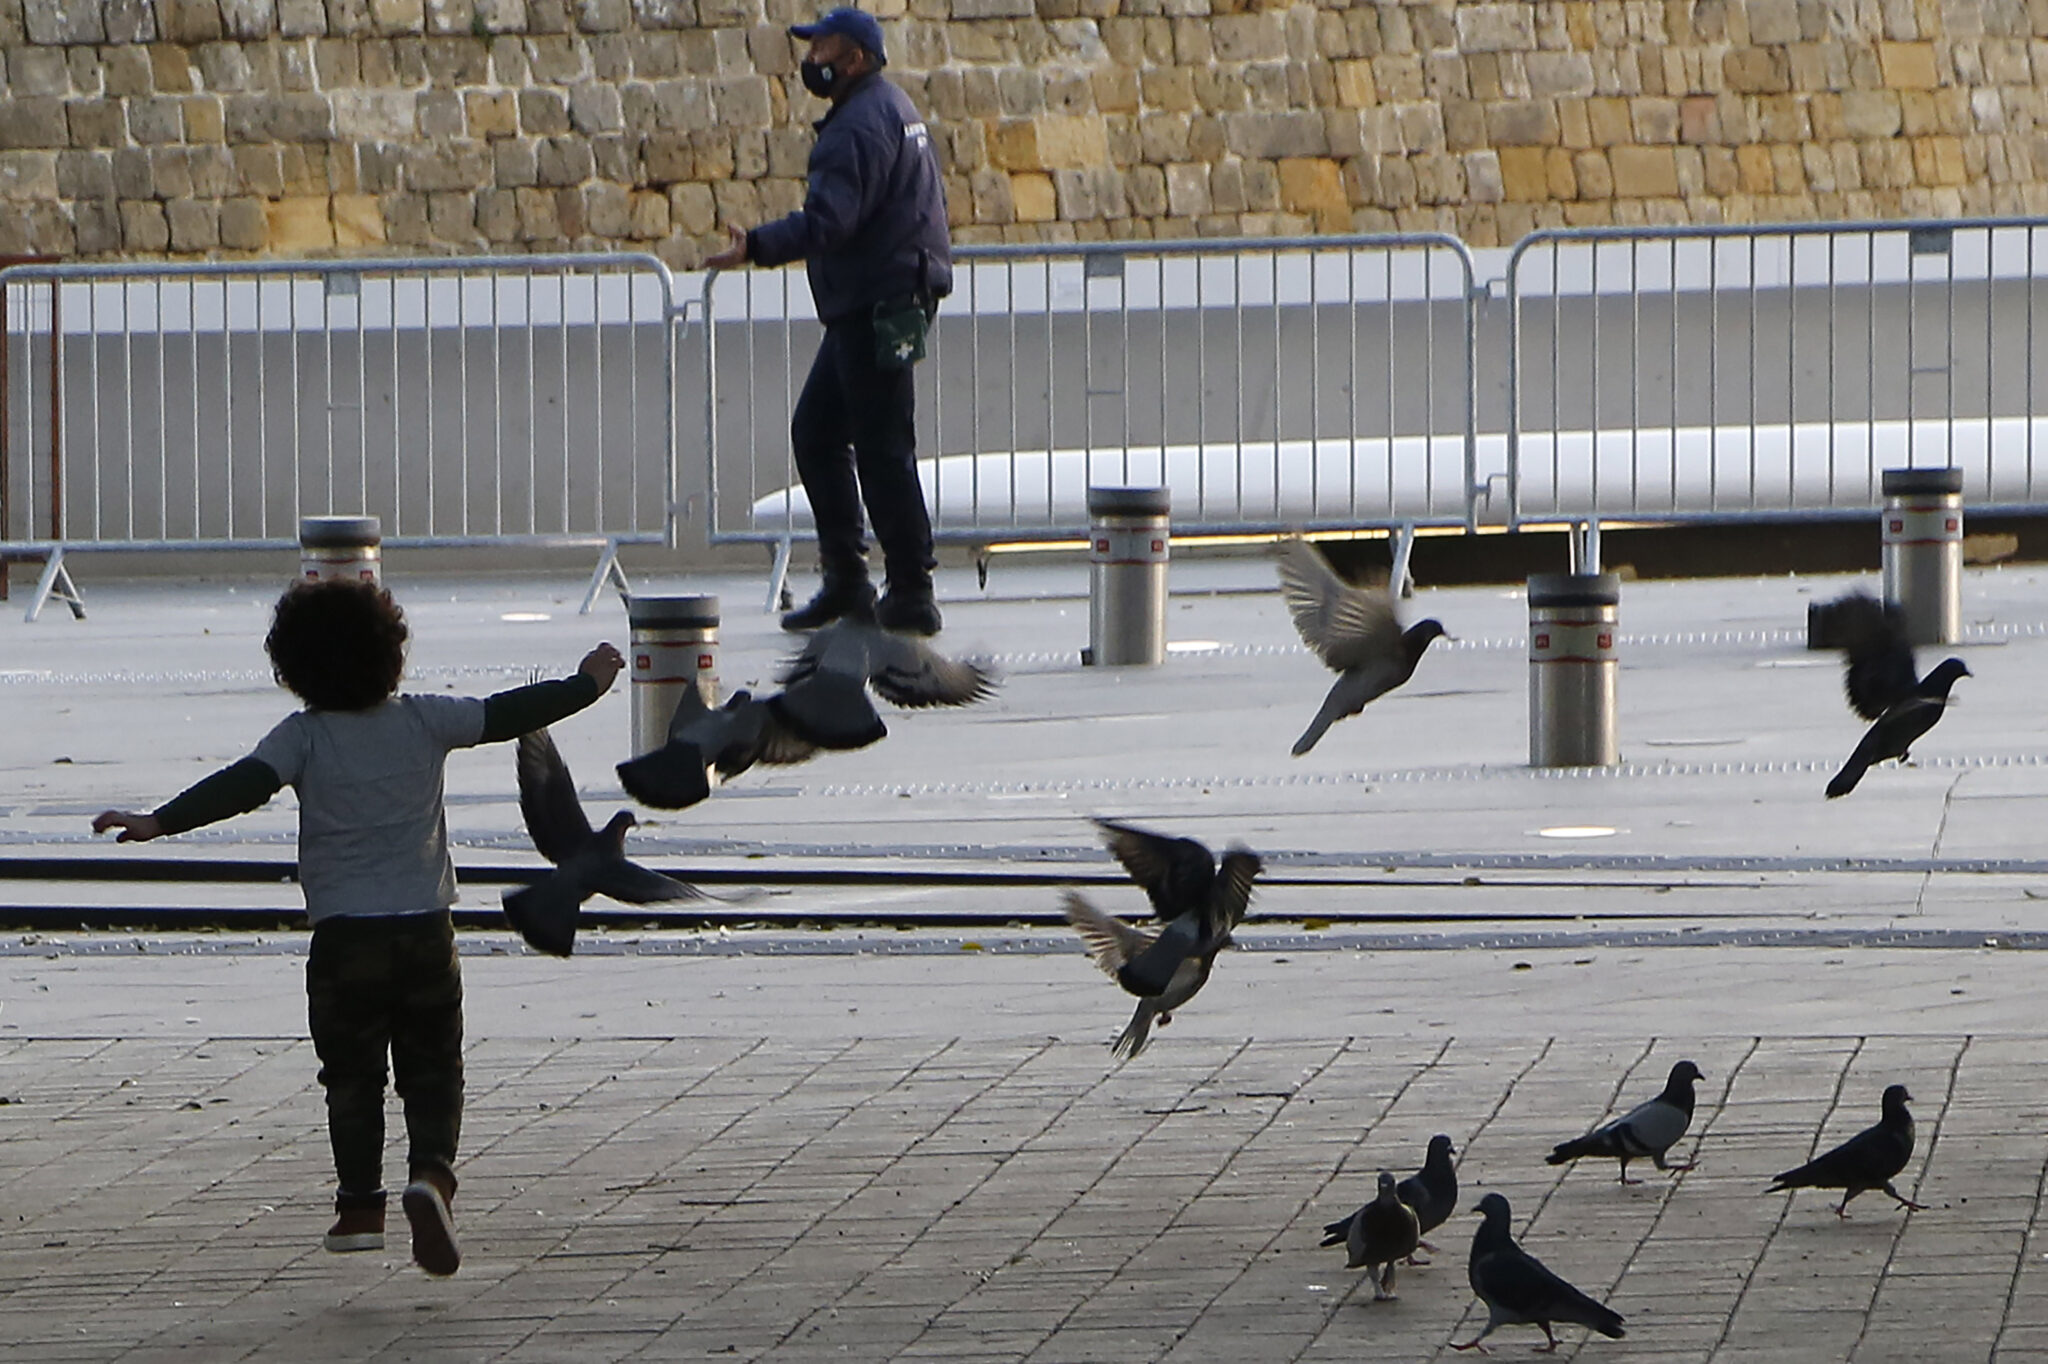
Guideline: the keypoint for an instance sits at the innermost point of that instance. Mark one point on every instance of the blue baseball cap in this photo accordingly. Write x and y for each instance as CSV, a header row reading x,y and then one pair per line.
x,y
855,24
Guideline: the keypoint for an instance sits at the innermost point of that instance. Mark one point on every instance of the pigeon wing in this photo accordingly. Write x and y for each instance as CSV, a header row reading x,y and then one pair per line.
x,y
1230,894
1109,940
909,673
1519,1284
547,798
779,745
1651,1128
1171,870
1345,626
632,884
1879,670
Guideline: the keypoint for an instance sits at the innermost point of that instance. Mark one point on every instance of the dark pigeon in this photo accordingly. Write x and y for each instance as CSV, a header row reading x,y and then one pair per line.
x,y
1354,630
1383,1233
1648,1130
824,700
1519,1291
1880,678
1432,1191
1869,1160
729,740
1200,904
586,862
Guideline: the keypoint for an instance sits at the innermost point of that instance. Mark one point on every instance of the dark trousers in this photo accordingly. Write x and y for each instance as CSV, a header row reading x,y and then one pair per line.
x,y
854,434
378,986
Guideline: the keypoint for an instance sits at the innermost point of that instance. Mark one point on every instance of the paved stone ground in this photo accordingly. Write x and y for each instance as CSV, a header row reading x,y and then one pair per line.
x,y
810,1145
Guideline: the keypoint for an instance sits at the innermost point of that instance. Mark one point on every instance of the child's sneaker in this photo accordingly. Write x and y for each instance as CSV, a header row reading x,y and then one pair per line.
x,y
433,1226
356,1228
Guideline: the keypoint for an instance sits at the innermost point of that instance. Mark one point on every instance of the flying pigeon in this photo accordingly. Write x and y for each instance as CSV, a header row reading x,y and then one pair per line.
x,y
586,863
825,702
1882,684
1648,1130
1200,903
731,739
1519,1291
1380,1235
1354,630
1869,1160
1432,1191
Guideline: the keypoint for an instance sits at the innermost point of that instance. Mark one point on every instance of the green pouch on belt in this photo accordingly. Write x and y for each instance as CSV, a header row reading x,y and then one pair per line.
x,y
899,333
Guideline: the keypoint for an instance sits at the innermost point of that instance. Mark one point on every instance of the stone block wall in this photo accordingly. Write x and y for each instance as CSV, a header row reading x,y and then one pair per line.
x,y
192,128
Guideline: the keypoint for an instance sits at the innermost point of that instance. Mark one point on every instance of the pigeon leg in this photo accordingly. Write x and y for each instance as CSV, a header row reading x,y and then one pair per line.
x,y
1387,1278
1624,1172
1419,1264
1674,1167
1908,1204
1551,1348
1474,1344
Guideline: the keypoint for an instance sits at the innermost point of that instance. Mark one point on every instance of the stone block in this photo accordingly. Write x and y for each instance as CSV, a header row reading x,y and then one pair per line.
x,y
1145,190
1554,74
1315,186
538,219
1655,119
693,209
595,108
38,71
1871,114
1070,142
1274,135
302,18
1757,70
94,123
143,226
32,175
1754,171
1593,176
1773,21
1355,87
563,161
194,224
1033,198
543,112
396,17
187,22
1522,123
1187,189
742,102
1523,176
1259,36
248,20
129,21
1939,161
1908,66
38,122
439,114
1495,28
1643,172
58,23
97,225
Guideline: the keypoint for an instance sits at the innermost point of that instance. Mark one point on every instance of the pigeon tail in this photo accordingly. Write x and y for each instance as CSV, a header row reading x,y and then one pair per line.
x,y
1338,1232
1333,710
1592,1144
1844,781
1135,1035
545,913
671,777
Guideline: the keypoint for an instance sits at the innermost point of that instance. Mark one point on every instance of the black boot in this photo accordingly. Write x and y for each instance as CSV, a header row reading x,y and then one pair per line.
x,y
909,607
843,594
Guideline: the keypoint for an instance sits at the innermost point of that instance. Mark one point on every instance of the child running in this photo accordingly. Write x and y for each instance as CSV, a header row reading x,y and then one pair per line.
x,y
367,763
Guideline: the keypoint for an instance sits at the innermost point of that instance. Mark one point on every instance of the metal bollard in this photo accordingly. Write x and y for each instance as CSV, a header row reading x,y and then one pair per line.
x,y
1127,553
1572,668
341,547
675,645
1923,551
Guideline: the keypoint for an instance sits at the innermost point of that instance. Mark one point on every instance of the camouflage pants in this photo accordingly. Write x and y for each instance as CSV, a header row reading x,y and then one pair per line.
x,y
382,985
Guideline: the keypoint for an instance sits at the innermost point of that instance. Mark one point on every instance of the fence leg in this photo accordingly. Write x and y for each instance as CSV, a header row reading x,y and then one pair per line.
x,y
1585,545
55,582
1401,581
778,577
608,571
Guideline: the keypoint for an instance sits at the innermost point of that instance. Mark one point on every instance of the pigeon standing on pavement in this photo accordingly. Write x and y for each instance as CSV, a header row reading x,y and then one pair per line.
x,y
731,739
824,700
1200,904
1869,1160
1883,686
586,862
1519,1291
1381,1235
1354,630
1647,1130
1432,1191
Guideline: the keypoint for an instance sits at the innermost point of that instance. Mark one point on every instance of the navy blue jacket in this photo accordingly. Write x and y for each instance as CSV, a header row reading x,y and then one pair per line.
x,y
873,224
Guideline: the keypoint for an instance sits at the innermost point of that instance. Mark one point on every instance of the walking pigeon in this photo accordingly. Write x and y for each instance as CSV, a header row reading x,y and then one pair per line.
x,y
1381,1234
1519,1291
1880,678
1200,903
731,739
1647,1130
825,702
1869,1160
1432,1191
587,863
1354,630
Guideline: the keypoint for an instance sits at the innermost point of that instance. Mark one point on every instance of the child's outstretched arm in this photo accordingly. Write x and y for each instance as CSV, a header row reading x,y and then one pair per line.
x,y
234,790
509,714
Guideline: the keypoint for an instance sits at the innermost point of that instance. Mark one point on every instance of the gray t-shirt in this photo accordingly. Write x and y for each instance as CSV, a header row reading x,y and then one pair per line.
x,y
373,832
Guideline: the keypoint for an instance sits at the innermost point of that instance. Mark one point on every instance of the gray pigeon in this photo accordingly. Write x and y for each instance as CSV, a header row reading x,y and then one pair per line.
x,y
1519,1291
824,700
1381,1234
1354,630
1200,903
1869,1160
1648,1130
587,863
1432,1191
731,739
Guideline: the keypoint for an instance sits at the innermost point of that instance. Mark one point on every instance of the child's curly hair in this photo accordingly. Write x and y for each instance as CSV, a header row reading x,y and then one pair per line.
x,y
337,644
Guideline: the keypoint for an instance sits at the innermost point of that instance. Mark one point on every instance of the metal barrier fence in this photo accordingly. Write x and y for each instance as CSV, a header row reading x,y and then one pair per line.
x,y
524,401
1750,372
1270,384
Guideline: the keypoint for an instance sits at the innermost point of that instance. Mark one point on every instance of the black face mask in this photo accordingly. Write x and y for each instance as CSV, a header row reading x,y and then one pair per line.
x,y
819,77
